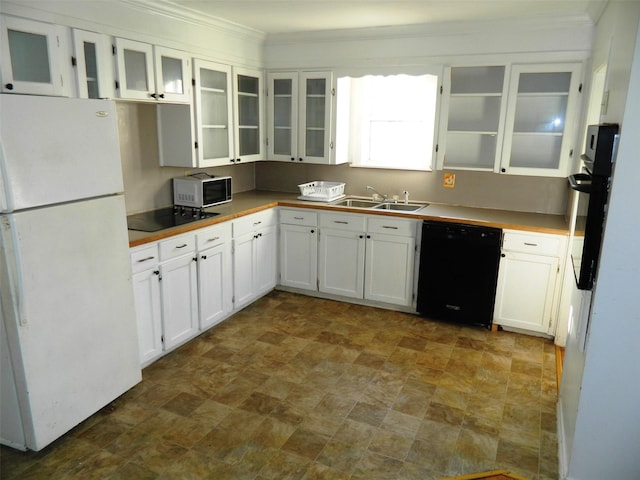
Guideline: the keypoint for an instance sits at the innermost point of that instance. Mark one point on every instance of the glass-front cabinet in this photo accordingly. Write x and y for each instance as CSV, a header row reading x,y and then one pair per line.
x,y
248,115
93,64
474,118
540,122
283,115
300,117
213,113
518,120
33,57
172,75
147,72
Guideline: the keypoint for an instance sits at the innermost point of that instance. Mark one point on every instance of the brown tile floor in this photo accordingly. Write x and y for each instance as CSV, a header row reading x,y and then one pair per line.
x,y
303,388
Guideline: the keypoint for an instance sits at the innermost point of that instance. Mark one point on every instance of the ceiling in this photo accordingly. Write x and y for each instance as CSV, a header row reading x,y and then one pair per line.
x,y
286,16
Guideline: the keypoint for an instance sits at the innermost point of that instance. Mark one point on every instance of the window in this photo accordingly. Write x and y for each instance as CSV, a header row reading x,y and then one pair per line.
x,y
387,121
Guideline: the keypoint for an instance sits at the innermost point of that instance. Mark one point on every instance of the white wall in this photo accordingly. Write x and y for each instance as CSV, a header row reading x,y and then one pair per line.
x,y
606,443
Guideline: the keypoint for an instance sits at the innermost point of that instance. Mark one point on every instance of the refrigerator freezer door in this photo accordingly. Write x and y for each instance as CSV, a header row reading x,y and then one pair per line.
x,y
67,304
57,150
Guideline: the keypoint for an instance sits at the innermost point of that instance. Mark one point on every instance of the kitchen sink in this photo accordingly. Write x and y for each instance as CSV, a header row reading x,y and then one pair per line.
x,y
399,207
356,203
377,205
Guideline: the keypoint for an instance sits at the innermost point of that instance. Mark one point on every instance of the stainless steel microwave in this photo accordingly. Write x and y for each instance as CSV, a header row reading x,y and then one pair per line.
x,y
201,191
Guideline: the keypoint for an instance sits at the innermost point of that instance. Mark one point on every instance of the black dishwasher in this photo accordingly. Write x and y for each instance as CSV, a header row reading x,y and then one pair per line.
x,y
458,272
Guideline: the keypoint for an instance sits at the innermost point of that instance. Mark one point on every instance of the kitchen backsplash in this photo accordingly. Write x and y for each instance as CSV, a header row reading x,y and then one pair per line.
x,y
148,186
476,189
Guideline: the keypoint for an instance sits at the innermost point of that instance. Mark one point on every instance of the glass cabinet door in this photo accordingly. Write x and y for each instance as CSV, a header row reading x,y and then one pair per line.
x,y
283,116
135,69
93,64
32,56
248,115
315,116
213,106
474,118
540,119
173,80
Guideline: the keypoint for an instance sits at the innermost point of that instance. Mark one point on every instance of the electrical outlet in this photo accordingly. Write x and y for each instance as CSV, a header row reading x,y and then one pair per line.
x,y
449,180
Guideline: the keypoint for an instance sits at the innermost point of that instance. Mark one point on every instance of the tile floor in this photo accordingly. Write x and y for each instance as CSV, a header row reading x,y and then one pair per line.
x,y
303,388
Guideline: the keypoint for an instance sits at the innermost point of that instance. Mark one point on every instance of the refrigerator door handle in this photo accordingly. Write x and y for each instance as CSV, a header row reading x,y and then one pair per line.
x,y
5,194
14,269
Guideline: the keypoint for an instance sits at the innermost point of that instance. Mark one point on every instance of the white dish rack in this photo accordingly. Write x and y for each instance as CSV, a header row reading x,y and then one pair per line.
x,y
319,191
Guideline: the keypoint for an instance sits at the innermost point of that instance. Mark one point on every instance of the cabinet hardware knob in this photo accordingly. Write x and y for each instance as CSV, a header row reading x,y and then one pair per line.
x,y
503,255
503,170
368,236
313,231
156,272
300,159
161,95
238,159
153,95
204,257
293,159
232,160
8,86
195,259
360,236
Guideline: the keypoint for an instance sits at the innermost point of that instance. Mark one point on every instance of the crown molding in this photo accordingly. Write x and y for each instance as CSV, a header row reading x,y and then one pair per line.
x,y
171,10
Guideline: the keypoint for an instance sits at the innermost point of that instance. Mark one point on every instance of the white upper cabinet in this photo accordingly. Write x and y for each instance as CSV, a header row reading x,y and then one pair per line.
x,y
33,56
172,75
214,113
248,115
474,117
283,116
301,107
146,72
518,120
540,122
93,64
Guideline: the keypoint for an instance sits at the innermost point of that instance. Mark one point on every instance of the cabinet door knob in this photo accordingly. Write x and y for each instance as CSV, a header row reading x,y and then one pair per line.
x,y
503,255
161,95
313,231
503,170
232,160
204,257
153,95
293,159
8,86
300,159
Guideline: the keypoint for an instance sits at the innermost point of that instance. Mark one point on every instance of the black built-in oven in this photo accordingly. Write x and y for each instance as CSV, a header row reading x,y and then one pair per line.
x,y
592,185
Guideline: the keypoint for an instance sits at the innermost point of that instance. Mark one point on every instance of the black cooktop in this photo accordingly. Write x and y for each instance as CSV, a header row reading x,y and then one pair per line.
x,y
166,218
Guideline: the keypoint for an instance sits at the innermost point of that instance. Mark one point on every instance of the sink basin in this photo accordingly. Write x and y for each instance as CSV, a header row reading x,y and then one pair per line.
x,y
399,207
355,202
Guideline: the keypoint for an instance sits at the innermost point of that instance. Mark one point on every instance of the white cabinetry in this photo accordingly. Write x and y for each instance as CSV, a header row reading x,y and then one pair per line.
x,y
178,288
299,249
301,106
248,115
229,120
146,292
93,64
540,123
254,256
528,281
369,258
146,72
389,260
519,120
341,255
474,117
34,56
215,288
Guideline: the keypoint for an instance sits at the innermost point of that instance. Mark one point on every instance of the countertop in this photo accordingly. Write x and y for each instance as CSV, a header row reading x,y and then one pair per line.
x,y
246,203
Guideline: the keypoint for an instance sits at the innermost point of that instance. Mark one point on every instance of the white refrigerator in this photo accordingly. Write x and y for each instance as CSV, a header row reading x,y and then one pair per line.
x,y
68,343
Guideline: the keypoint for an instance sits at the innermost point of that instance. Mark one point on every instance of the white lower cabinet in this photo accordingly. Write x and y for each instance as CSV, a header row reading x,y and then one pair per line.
x,y
178,289
146,292
215,289
528,281
299,249
254,257
367,257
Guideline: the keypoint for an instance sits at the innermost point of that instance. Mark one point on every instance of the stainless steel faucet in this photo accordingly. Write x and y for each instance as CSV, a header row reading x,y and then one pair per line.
x,y
384,197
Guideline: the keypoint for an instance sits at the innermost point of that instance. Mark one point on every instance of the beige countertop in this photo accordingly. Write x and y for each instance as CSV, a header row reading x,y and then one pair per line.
x,y
246,203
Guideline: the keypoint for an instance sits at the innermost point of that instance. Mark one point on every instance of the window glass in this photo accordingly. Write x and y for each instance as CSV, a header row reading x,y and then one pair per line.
x,y
387,121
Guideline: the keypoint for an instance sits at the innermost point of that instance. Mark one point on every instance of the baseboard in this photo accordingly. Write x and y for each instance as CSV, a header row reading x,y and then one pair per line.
x,y
563,457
